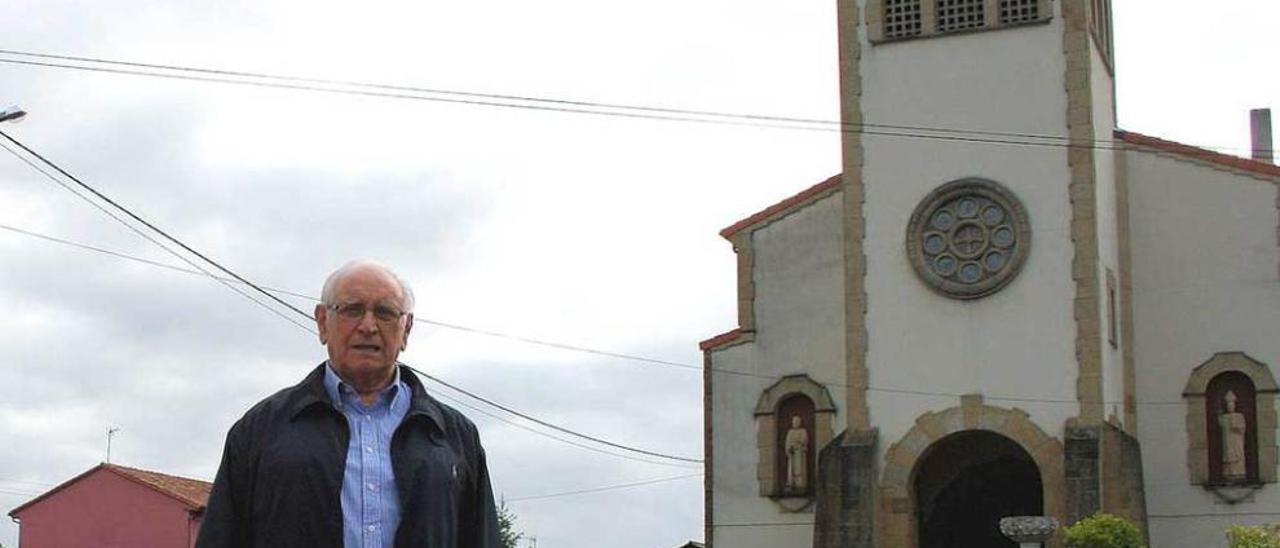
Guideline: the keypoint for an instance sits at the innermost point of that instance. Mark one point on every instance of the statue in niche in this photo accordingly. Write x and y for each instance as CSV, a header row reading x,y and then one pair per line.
x,y
1233,427
797,448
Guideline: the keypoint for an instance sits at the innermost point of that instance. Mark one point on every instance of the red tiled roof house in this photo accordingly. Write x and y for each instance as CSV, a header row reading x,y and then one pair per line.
x,y
111,506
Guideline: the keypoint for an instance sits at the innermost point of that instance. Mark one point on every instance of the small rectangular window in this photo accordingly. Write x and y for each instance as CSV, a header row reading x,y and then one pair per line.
x,y
954,15
902,18
1100,26
1013,12
1112,328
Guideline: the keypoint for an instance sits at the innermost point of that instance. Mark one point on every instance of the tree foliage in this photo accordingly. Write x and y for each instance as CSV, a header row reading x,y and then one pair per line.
x,y
1256,536
1104,531
507,527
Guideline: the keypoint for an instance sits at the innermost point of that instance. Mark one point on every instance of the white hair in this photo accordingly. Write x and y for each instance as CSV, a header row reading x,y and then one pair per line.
x,y
327,295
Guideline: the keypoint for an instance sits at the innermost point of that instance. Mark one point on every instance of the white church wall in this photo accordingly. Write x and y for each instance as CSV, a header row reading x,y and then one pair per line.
x,y
1204,271
799,279
1018,342
799,310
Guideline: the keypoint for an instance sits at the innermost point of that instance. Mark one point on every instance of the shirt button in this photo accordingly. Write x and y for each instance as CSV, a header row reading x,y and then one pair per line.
x,y
371,528
372,487
368,449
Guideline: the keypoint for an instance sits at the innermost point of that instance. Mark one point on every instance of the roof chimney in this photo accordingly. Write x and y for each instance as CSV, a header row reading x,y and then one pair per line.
x,y
1260,131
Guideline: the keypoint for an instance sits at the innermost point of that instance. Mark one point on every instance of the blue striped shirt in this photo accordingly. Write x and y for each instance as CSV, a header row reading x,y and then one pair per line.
x,y
370,505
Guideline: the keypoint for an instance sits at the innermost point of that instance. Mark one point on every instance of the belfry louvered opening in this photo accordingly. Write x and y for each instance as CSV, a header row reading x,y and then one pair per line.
x,y
954,15
1019,11
902,18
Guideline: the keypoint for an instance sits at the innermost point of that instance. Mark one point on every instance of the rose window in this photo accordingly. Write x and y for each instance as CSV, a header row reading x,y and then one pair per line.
x,y
968,238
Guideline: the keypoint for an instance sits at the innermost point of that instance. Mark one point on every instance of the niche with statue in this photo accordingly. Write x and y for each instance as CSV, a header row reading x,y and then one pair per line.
x,y
793,423
1231,426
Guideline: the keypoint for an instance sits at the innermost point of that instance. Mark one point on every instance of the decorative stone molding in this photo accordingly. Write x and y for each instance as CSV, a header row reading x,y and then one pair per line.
x,y
857,412
766,417
968,238
896,525
896,20
1125,243
1082,193
1194,393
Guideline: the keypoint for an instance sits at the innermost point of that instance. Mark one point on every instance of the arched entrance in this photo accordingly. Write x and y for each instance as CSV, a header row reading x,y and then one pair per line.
x,y
965,482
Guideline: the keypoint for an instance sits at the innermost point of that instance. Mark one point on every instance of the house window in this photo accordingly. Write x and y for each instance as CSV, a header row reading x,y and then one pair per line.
x,y
954,15
902,18
1019,11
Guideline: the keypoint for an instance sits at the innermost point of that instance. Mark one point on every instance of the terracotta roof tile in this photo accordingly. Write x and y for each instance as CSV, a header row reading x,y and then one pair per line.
x,y
1197,153
780,207
721,339
192,492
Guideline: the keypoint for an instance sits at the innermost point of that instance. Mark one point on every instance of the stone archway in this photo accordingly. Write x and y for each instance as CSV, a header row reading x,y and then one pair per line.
x,y
898,522
966,482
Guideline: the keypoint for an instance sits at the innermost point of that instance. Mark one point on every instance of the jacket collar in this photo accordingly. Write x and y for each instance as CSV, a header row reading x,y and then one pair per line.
x,y
311,391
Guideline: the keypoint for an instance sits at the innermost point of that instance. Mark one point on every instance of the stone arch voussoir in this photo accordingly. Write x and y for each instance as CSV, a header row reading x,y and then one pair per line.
x,y
896,519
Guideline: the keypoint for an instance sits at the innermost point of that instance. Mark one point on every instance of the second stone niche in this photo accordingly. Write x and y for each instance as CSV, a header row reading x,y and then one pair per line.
x,y
793,422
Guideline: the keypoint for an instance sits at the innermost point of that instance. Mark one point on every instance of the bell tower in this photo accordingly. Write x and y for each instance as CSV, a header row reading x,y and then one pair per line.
x,y
981,236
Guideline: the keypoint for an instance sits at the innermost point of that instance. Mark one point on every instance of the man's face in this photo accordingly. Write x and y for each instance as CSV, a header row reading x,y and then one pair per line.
x,y
365,347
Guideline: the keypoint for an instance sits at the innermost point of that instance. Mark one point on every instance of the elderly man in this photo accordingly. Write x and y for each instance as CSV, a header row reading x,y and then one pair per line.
x,y
357,454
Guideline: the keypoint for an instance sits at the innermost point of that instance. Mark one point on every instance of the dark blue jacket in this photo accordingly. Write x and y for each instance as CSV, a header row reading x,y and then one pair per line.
x,y
280,480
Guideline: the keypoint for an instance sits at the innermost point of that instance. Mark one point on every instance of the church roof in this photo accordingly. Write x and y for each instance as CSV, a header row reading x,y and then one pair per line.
x,y
1128,137
784,206
1197,153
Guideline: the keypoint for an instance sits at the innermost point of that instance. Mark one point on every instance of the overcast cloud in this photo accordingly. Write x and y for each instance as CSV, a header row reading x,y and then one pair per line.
x,y
584,230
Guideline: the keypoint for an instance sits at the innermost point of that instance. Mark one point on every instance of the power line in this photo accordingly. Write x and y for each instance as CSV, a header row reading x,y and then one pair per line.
x,y
563,346
28,482
600,489
150,262
16,492
147,224
372,89
524,416
126,224
552,436
242,280
507,97
418,319
394,95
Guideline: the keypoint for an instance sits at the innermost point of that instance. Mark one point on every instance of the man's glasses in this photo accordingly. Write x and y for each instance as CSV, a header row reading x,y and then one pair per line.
x,y
356,311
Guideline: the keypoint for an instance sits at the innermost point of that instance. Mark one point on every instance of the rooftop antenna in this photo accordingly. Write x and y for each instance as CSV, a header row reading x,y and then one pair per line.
x,y
111,432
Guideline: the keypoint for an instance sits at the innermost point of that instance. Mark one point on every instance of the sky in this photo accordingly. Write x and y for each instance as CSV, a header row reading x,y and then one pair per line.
x,y
590,231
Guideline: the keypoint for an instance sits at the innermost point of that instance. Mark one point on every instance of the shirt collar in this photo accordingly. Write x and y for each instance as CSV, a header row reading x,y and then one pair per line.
x,y
337,388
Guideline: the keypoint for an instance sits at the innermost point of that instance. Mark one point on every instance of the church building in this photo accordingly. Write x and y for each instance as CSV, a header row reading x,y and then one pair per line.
x,y
1003,305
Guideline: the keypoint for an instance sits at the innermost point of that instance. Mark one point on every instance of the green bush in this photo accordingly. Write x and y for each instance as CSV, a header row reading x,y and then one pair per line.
x,y
1104,531
1256,536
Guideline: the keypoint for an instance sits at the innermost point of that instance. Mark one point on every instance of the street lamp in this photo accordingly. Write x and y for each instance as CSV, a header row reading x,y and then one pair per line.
x,y
12,114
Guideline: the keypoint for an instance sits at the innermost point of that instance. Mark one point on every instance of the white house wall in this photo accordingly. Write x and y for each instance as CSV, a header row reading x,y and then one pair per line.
x,y
799,312
1204,274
